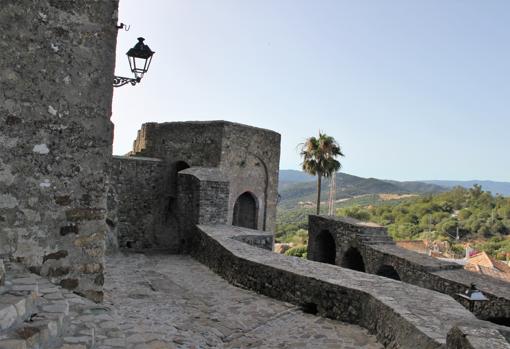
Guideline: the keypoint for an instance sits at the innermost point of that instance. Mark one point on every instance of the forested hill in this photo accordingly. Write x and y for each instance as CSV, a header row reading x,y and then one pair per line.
x,y
296,186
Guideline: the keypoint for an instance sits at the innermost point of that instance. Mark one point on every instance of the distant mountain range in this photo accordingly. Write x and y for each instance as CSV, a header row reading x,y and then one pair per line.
x,y
297,186
502,188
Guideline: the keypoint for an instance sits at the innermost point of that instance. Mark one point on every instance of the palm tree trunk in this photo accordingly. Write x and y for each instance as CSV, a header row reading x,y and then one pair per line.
x,y
319,182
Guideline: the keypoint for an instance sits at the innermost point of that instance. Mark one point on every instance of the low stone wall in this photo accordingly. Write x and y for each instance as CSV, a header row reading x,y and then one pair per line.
x,y
469,336
263,241
401,315
452,282
378,250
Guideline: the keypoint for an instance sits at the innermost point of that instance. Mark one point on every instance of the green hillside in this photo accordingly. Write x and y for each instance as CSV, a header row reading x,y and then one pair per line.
x,y
477,216
296,187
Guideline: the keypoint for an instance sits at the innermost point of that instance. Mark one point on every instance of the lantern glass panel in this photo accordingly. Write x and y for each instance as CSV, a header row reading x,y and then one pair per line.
x,y
139,58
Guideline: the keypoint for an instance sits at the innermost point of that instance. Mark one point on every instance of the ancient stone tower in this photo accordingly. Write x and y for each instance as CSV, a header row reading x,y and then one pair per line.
x,y
151,188
57,61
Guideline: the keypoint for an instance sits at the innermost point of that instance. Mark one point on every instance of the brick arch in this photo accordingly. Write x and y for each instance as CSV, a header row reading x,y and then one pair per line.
x,y
246,211
353,259
325,248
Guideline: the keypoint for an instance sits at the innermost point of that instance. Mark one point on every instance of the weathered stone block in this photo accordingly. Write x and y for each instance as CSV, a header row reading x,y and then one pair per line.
x,y
56,255
69,284
84,214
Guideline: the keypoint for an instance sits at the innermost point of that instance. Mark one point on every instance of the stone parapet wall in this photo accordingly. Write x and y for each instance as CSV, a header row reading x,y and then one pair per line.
x,y
56,70
453,282
196,143
471,336
401,315
264,241
414,268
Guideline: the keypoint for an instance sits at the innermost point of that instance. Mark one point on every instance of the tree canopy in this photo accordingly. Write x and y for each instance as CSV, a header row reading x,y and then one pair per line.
x,y
319,159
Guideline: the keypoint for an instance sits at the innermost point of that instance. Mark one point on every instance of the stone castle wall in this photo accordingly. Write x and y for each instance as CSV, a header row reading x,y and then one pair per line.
x,y
196,143
150,202
399,314
203,199
248,156
141,208
251,159
56,68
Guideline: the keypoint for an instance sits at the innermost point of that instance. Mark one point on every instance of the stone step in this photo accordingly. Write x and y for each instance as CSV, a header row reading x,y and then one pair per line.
x,y
57,318
16,307
38,319
40,332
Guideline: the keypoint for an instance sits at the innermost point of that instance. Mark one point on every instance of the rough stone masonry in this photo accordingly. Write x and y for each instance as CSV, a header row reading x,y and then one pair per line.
x,y
56,68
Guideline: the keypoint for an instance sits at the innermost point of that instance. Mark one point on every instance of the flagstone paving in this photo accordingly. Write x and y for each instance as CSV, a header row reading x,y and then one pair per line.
x,y
173,301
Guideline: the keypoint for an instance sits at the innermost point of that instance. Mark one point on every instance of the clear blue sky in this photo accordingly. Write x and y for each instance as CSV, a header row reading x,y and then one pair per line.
x,y
411,89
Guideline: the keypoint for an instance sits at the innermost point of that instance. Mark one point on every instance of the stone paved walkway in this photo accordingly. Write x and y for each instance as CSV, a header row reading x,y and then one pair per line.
x,y
169,301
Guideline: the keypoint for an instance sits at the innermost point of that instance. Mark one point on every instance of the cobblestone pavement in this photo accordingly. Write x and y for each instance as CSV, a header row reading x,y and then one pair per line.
x,y
172,301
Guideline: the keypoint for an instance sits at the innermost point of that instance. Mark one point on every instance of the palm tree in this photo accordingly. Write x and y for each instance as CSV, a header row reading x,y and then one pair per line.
x,y
319,158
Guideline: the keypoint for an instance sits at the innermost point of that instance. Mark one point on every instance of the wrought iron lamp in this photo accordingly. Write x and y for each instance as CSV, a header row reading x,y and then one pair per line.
x,y
139,57
473,295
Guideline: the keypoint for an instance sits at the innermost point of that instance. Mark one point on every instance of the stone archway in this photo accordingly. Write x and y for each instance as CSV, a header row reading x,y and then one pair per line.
x,y
353,259
325,248
246,211
389,272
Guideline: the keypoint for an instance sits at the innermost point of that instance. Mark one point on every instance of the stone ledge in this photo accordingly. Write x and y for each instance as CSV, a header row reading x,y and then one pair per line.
x,y
205,174
420,261
401,315
476,337
135,158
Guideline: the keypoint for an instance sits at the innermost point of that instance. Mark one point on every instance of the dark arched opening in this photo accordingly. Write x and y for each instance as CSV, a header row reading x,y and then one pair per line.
x,y
504,321
388,272
172,193
245,211
325,248
353,260
180,165
175,169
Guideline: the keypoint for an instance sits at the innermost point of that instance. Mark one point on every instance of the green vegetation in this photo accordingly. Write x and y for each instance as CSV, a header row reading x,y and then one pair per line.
x,y
319,159
298,251
476,215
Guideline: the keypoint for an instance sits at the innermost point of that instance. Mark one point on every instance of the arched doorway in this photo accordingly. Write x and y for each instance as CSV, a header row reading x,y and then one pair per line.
x,y
246,211
388,272
353,260
325,248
